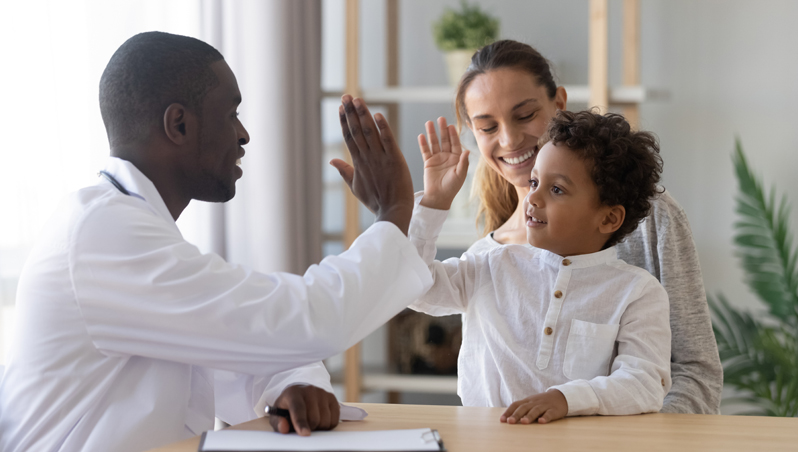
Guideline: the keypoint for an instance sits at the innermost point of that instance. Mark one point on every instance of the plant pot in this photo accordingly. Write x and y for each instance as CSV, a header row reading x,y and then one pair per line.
x,y
457,62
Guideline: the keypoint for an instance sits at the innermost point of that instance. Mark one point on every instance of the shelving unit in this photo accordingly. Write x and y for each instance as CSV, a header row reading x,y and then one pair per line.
x,y
460,233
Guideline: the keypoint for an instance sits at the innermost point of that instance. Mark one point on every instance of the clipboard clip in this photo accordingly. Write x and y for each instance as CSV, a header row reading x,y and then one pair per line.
x,y
431,436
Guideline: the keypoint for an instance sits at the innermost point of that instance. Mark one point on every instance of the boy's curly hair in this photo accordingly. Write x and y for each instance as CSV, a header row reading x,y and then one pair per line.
x,y
626,165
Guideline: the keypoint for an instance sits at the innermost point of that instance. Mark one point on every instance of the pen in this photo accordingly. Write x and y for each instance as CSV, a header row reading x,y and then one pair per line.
x,y
274,411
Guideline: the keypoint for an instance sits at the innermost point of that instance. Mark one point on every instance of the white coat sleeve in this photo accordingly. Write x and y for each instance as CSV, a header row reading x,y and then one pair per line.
x,y
143,290
453,279
640,373
241,398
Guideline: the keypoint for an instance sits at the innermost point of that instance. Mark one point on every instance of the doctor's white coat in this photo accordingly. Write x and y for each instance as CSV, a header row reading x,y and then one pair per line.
x,y
128,337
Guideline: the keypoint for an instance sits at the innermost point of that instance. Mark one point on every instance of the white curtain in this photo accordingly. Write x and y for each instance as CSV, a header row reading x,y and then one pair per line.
x,y
274,48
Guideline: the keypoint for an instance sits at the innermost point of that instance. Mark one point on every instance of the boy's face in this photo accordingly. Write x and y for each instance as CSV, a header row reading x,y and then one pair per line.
x,y
563,212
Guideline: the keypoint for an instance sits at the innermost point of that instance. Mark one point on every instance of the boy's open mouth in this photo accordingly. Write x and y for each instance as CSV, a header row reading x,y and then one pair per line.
x,y
532,219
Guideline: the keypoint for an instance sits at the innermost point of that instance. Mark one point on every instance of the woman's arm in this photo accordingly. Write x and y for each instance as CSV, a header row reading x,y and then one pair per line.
x,y
663,245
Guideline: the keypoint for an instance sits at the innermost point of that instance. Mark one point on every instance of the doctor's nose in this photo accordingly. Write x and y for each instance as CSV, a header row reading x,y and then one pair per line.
x,y
243,136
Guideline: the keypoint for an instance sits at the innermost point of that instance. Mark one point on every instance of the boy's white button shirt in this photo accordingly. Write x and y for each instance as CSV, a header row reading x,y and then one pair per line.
x,y
590,326
121,323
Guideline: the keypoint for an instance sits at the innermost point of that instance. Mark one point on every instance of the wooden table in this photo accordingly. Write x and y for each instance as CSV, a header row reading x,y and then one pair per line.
x,y
479,430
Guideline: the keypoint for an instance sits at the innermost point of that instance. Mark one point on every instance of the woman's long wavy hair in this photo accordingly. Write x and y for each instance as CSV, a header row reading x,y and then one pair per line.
x,y
497,197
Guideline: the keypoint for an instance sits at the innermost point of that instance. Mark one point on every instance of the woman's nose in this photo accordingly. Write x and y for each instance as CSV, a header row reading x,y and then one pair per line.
x,y
511,138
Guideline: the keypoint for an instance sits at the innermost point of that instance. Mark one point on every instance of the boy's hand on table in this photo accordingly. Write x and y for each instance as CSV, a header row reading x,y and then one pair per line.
x,y
445,165
544,407
311,408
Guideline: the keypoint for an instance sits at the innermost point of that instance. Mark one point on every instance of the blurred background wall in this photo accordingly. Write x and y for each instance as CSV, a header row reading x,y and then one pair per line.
x,y
730,67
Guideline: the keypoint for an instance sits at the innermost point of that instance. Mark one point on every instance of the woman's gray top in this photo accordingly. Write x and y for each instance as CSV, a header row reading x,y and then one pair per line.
x,y
663,245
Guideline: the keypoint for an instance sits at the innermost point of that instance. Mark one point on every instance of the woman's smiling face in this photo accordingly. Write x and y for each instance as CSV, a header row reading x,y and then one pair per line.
x,y
508,111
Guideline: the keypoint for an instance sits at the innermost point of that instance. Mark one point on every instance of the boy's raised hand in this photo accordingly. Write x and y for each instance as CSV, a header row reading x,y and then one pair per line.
x,y
544,407
445,165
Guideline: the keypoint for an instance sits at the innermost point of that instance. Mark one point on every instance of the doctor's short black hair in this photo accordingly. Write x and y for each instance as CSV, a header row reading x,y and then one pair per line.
x,y
624,164
145,75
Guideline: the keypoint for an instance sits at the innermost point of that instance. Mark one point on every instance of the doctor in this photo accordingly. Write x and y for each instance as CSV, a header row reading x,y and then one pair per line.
x,y
128,337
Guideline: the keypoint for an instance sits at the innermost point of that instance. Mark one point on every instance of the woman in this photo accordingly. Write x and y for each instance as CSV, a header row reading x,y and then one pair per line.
x,y
507,98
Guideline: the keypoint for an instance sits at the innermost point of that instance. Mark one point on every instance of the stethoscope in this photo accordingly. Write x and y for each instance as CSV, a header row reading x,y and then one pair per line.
x,y
114,182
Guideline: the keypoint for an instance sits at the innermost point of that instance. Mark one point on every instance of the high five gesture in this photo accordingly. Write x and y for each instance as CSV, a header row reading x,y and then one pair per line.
x,y
445,165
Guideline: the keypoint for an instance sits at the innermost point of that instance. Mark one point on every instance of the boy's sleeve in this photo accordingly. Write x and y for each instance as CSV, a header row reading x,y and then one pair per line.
x,y
640,374
453,279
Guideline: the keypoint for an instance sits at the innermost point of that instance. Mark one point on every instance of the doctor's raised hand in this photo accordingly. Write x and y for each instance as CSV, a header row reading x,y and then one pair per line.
x,y
445,165
378,176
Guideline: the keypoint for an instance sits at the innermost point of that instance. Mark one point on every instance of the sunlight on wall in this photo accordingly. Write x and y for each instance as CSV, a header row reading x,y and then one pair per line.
x,y
52,140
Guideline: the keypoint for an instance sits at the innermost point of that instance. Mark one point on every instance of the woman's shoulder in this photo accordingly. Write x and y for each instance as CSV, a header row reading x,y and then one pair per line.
x,y
665,208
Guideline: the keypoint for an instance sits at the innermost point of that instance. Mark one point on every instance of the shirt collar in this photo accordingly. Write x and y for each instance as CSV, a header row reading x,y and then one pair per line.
x,y
580,261
139,186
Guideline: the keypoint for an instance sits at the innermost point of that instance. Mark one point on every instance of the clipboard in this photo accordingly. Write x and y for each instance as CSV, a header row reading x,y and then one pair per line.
x,y
409,440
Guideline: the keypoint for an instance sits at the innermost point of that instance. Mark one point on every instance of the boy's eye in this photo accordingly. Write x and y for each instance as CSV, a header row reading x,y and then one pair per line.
x,y
556,190
533,183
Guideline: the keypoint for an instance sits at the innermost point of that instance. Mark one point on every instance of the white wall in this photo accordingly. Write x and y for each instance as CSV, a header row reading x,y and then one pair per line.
x,y
731,68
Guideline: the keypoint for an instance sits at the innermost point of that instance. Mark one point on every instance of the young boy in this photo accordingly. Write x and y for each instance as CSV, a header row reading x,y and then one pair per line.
x,y
561,327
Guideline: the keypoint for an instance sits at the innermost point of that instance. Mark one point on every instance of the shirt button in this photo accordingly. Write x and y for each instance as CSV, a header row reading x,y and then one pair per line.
x,y
548,331
566,262
663,382
558,294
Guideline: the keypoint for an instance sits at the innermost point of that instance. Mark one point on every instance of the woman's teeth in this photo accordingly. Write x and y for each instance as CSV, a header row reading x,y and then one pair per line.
x,y
517,160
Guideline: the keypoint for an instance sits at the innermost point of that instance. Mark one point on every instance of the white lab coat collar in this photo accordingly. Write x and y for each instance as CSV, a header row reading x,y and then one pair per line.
x,y
139,186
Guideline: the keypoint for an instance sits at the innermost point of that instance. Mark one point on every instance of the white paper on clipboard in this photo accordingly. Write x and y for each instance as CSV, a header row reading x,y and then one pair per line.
x,y
421,439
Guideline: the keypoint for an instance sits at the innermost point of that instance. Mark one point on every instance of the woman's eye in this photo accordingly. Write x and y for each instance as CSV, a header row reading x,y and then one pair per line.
x,y
488,129
529,116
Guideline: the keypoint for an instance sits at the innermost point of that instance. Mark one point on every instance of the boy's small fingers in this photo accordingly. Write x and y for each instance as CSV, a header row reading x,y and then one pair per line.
x,y
422,144
462,165
455,139
433,137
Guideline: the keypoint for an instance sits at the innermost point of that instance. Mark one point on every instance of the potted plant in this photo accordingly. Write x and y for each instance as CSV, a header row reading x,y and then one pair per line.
x,y
460,33
760,353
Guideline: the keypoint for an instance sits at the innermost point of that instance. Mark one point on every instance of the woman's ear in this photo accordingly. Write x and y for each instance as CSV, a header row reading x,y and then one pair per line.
x,y
613,219
178,124
561,98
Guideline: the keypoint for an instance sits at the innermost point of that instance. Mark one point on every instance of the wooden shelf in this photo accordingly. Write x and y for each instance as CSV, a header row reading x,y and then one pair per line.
x,y
445,94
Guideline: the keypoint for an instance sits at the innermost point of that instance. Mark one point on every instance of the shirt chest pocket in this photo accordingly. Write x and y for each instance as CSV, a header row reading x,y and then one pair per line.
x,y
589,350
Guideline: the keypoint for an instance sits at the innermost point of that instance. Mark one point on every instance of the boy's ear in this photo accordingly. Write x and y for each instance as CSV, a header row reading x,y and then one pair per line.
x,y
613,219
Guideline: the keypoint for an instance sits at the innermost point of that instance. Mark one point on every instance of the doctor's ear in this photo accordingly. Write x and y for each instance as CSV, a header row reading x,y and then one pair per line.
x,y
177,123
613,219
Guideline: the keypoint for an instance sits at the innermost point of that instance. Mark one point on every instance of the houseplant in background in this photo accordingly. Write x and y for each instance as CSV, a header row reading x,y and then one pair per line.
x,y
460,33
760,353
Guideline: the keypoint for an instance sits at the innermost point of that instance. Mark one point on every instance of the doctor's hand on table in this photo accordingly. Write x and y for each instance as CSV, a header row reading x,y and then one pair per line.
x,y
311,408
378,176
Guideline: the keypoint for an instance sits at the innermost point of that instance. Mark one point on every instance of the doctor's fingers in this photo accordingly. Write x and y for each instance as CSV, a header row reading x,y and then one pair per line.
x,y
335,413
357,122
